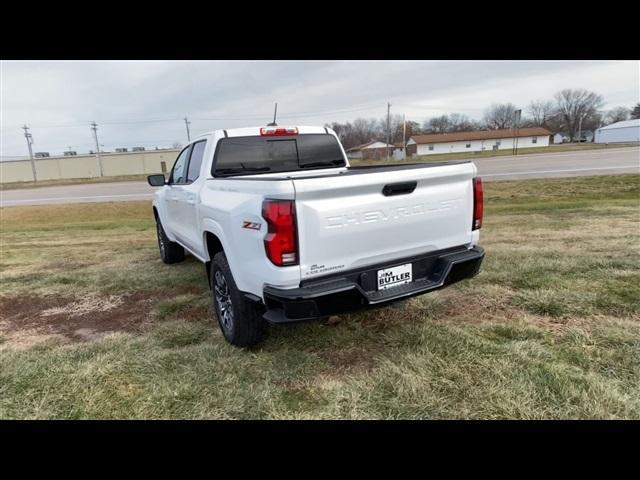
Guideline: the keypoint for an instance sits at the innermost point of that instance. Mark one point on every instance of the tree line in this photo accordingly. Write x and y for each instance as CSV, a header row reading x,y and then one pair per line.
x,y
569,112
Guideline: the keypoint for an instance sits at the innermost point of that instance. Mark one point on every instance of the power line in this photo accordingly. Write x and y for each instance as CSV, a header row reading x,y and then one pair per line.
x,y
440,107
218,117
289,115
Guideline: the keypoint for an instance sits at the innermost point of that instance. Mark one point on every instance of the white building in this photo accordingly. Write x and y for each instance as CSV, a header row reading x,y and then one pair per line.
x,y
619,132
561,138
477,141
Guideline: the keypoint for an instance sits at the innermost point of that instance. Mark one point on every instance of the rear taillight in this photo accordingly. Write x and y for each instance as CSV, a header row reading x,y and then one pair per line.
x,y
478,203
281,243
276,131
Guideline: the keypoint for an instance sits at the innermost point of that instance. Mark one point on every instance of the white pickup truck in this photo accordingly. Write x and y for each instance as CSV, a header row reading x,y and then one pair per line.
x,y
288,231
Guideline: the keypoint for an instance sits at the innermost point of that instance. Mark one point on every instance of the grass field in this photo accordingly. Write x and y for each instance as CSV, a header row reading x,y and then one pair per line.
x,y
439,157
72,181
93,325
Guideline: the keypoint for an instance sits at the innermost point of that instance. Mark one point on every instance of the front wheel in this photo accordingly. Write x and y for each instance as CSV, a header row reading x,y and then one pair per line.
x,y
240,319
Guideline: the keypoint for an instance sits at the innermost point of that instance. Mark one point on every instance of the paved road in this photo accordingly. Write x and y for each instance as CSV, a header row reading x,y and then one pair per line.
x,y
565,164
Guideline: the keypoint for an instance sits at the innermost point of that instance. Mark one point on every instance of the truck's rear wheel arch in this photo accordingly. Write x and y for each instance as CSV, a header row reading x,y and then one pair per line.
x,y
214,245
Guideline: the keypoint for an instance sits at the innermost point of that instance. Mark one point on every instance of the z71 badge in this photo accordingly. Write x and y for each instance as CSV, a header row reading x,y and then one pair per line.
x,y
251,225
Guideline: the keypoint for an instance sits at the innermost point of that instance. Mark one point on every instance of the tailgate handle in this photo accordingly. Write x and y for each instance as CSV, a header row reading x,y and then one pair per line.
x,y
399,188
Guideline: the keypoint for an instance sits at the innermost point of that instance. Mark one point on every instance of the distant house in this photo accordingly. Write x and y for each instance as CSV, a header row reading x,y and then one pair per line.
x,y
561,138
619,132
585,136
399,152
477,141
374,150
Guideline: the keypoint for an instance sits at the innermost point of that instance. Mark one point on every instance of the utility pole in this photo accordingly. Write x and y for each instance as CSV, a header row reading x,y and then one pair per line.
x,y
518,114
94,127
186,124
388,128
580,128
29,138
404,137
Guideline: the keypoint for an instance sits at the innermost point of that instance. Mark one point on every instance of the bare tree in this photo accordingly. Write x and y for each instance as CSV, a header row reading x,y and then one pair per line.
x,y
413,128
618,114
635,113
576,106
500,116
176,145
460,122
366,130
362,130
541,112
455,122
439,124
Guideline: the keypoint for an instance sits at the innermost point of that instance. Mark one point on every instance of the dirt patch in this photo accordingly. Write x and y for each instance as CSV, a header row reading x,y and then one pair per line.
x,y
357,358
85,306
30,320
197,314
381,319
73,319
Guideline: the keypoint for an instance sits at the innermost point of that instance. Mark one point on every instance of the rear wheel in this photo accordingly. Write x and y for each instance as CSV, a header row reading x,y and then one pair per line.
x,y
170,252
240,319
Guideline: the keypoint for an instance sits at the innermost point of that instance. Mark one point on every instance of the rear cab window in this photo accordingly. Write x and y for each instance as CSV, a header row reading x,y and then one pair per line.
x,y
254,154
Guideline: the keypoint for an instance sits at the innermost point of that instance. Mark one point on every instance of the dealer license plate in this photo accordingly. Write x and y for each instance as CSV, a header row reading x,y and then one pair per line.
x,y
392,277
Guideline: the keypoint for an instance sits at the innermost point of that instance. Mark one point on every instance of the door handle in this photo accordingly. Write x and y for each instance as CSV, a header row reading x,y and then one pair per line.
x,y
191,199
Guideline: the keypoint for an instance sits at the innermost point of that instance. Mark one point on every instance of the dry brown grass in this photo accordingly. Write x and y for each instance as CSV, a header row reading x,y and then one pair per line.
x,y
93,325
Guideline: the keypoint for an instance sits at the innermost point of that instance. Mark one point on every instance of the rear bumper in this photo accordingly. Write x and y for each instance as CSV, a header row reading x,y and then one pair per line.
x,y
357,289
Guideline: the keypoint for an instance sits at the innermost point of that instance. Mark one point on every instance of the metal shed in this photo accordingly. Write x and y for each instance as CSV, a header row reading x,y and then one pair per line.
x,y
619,132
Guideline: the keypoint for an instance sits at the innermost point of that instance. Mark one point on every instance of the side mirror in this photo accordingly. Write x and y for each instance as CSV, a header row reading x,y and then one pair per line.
x,y
156,180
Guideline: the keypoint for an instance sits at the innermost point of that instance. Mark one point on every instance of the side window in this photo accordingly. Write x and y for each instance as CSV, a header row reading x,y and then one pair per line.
x,y
179,170
197,153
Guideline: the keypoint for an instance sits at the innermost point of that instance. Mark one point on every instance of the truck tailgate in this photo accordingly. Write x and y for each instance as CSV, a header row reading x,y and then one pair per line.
x,y
346,221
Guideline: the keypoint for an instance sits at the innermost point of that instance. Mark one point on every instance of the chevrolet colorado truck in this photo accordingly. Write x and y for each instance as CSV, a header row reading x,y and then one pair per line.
x,y
289,231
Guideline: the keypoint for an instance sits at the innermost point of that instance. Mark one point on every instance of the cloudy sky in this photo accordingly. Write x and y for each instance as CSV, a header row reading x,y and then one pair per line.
x,y
143,102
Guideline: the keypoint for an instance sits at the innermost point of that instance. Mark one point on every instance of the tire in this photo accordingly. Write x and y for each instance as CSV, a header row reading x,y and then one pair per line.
x,y
240,319
170,252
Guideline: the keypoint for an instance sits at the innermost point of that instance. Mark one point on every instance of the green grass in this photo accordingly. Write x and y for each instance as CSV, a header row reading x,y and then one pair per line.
x,y
439,157
549,329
